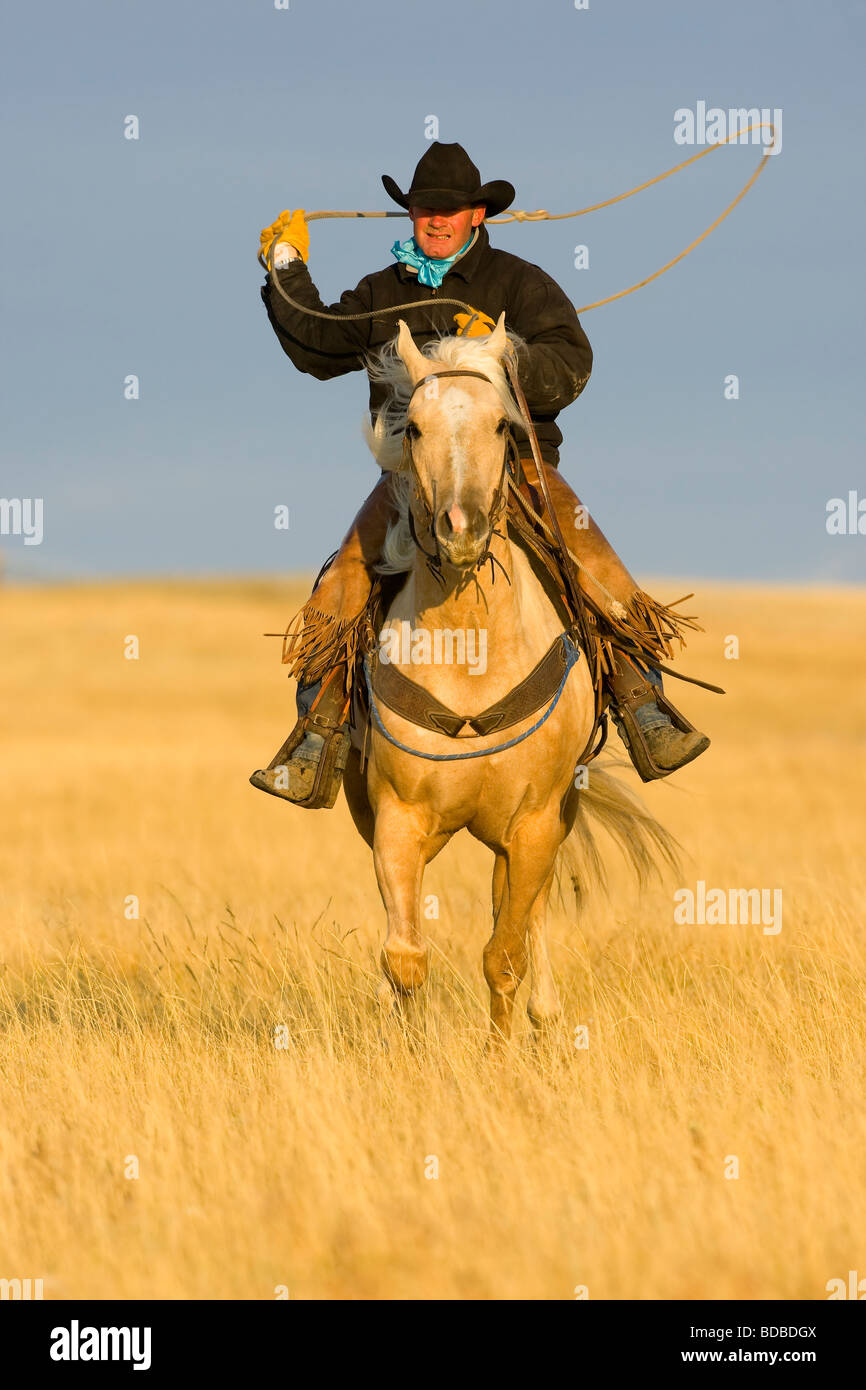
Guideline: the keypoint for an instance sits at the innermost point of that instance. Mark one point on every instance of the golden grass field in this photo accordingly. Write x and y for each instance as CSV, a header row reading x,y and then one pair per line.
x,y
305,1167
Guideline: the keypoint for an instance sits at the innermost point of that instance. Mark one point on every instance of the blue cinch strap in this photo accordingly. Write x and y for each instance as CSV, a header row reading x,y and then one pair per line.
x,y
572,656
430,272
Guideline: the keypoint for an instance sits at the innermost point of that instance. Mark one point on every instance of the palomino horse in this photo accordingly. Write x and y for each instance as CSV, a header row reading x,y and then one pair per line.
x,y
445,442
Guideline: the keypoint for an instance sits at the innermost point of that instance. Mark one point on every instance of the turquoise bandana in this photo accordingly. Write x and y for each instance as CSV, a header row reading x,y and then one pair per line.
x,y
430,272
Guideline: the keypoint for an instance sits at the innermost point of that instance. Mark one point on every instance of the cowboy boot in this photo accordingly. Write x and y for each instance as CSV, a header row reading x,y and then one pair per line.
x,y
658,737
308,769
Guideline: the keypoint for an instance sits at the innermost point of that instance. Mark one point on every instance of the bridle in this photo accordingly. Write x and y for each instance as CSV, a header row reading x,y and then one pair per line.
x,y
580,630
510,467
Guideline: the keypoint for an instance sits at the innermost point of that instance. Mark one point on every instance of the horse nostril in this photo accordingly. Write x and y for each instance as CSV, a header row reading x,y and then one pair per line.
x,y
455,524
479,524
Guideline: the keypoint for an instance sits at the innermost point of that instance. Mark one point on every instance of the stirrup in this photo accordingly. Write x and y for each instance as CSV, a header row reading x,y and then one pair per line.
x,y
286,776
624,706
314,781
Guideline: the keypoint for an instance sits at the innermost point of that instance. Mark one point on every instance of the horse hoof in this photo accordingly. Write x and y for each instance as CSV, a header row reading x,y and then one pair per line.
x,y
544,1021
405,966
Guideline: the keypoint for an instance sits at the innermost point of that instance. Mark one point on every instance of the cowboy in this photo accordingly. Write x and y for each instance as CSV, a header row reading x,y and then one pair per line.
x,y
448,256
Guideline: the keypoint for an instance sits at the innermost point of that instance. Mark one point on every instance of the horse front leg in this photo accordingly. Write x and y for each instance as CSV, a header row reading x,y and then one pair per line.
x,y
402,847
543,1006
521,876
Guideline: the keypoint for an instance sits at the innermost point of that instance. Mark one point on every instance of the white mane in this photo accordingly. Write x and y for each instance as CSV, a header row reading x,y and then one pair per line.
x,y
385,438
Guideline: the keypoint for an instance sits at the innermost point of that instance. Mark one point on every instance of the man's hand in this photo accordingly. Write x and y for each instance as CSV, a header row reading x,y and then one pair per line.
x,y
473,325
290,229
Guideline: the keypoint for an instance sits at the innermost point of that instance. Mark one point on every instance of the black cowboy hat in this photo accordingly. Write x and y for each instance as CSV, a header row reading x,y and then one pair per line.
x,y
445,178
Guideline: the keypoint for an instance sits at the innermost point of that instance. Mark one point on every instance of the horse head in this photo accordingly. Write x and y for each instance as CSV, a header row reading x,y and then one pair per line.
x,y
456,438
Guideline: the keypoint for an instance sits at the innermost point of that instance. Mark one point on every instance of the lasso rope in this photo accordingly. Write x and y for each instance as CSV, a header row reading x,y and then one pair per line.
x,y
542,215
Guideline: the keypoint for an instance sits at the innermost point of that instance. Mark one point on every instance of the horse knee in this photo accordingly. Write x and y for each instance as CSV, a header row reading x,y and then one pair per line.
x,y
405,964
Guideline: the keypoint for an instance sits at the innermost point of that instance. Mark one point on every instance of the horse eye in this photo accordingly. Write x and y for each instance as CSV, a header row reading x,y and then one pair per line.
x,y
502,426
412,430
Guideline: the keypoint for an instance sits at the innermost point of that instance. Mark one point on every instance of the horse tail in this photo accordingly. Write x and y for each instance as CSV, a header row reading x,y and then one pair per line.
x,y
646,844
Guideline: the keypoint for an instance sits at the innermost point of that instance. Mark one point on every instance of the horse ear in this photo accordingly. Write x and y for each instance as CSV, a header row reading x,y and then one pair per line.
x,y
416,364
499,338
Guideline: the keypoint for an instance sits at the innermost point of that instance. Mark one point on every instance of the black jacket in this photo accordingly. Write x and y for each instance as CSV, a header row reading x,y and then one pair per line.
x,y
554,367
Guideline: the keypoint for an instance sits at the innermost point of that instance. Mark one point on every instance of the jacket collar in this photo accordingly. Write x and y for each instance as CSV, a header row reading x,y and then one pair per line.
x,y
465,267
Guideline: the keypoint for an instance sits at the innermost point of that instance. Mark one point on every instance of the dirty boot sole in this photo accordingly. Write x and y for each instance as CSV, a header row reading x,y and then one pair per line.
x,y
672,749
291,781
658,752
313,783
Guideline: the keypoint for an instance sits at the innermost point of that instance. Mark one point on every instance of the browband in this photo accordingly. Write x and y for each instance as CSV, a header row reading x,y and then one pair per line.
x,y
453,371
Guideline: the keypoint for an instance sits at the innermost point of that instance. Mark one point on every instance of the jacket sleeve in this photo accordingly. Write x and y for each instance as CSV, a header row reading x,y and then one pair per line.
x,y
323,349
556,361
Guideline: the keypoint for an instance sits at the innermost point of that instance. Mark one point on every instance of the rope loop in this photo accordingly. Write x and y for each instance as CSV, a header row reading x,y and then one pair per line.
x,y
542,215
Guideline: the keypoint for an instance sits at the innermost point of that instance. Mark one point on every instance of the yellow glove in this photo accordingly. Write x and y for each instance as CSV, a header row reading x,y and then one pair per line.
x,y
473,325
290,227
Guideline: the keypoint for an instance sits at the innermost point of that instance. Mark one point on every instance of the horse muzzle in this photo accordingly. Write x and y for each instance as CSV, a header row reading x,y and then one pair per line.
x,y
462,534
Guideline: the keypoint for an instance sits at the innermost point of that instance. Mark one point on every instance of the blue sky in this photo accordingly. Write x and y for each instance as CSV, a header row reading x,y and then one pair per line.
x,y
138,257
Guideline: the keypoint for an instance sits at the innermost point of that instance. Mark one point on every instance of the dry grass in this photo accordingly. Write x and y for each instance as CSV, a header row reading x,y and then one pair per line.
x,y
305,1167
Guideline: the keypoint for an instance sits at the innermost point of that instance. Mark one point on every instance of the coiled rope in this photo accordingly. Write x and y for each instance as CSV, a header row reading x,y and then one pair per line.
x,y
542,215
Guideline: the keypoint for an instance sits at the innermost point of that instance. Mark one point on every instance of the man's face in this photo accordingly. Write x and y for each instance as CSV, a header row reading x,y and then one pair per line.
x,y
441,234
